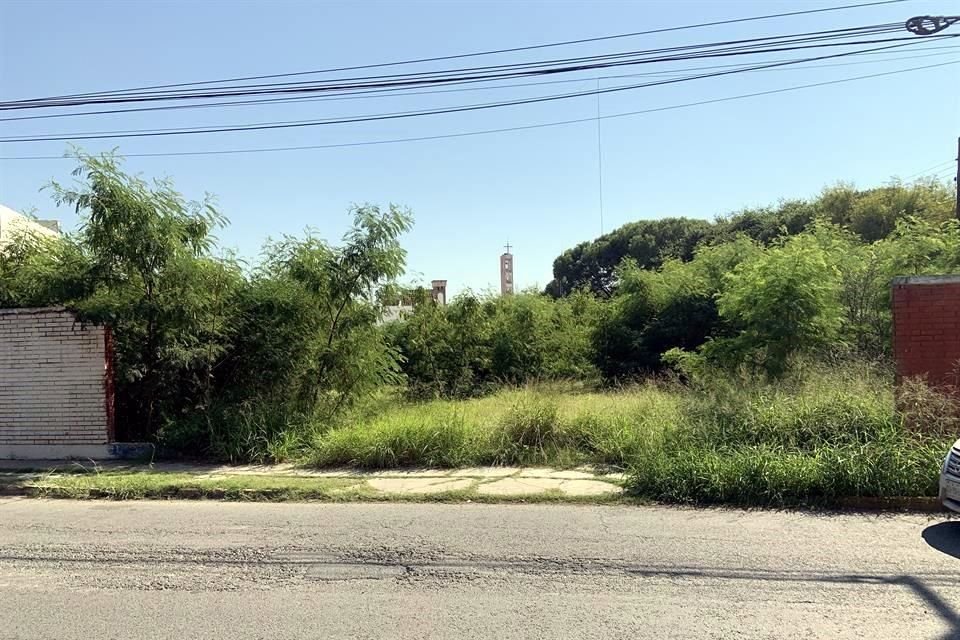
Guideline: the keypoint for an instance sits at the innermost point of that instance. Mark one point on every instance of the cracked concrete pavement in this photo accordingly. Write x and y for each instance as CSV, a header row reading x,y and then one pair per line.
x,y
491,481
165,570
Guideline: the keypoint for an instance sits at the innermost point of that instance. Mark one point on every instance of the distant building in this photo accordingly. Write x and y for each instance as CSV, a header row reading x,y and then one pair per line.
x,y
439,292
13,224
392,312
405,304
506,272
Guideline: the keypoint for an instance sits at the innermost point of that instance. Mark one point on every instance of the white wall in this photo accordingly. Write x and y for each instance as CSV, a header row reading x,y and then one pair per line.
x,y
54,387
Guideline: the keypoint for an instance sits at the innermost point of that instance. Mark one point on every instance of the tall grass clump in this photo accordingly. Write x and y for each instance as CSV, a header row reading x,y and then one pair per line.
x,y
809,440
437,434
853,405
555,425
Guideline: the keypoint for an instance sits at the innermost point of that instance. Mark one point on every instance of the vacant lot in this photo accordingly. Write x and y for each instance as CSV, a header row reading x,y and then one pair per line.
x,y
810,440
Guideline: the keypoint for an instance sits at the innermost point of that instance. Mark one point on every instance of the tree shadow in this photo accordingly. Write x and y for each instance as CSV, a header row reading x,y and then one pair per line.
x,y
944,537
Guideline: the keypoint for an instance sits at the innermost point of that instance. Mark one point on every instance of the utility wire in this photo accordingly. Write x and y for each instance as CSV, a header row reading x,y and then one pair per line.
x,y
386,93
591,119
492,72
493,51
409,114
935,168
744,44
138,133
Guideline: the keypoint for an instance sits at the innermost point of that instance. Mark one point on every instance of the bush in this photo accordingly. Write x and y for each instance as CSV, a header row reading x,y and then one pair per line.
x,y
212,359
473,345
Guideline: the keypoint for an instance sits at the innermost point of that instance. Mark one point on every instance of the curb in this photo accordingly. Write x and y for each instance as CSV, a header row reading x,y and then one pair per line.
x,y
904,504
864,503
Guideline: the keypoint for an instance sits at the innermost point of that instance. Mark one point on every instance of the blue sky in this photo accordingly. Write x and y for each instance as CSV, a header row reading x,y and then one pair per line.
x,y
537,188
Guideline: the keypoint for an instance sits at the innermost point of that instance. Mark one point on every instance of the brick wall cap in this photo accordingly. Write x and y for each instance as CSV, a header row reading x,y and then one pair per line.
x,y
946,279
33,311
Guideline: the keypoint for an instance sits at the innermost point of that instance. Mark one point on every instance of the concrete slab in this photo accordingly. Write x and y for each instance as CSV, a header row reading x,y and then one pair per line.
x,y
418,485
553,473
589,488
519,486
410,473
485,472
532,486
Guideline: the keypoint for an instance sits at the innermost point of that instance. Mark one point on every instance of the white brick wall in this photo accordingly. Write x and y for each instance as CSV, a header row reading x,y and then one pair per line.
x,y
53,379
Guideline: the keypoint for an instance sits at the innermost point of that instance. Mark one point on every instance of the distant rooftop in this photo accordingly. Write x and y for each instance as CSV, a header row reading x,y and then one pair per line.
x,y
12,222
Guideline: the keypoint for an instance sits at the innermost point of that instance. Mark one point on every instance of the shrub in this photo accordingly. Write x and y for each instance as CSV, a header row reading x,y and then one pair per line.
x,y
929,411
209,357
473,345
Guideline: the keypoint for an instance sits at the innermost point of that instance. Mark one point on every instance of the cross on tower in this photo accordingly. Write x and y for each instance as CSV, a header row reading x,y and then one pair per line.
x,y
508,247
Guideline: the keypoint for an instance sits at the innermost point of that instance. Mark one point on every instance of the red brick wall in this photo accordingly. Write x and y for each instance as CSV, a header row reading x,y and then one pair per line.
x,y
926,328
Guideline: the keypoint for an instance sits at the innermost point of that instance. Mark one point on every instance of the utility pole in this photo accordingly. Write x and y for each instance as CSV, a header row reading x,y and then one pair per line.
x,y
929,25
599,158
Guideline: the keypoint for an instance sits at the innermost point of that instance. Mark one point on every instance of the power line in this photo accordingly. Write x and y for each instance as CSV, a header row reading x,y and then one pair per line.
x,y
935,168
505,71
494,51
381,93
744,45
504,129
407,114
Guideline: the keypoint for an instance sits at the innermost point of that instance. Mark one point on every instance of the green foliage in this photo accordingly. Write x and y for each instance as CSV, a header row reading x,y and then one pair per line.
x,y
211,359
472,345
654,312
783,303
648,243
810,439
874,214
143,243
37,271
871,215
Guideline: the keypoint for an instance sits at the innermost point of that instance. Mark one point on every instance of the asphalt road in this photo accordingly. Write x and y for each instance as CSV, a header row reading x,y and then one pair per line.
x,y
177,570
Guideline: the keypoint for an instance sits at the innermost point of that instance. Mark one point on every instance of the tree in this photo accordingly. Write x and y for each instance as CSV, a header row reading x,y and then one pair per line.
x,y
872,214
783,302
593,265
140,238
311,315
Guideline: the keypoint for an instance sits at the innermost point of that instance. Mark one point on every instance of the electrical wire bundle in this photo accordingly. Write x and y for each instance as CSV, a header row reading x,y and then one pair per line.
x,y
823,47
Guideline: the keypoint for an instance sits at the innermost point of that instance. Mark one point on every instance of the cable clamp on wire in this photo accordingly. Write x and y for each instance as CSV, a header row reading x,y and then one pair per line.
x,y
927,25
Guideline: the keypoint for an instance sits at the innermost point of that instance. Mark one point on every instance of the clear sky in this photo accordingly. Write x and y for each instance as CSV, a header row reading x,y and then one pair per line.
x,y
537,188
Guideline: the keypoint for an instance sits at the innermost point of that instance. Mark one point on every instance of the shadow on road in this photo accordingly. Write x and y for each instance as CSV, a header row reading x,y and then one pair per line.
x,y
944,537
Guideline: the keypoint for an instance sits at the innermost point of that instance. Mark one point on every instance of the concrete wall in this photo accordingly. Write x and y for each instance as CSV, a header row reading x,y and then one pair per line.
x,y
56,394
926,328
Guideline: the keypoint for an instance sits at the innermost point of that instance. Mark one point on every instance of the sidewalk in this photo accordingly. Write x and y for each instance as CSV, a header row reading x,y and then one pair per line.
x,y
112,478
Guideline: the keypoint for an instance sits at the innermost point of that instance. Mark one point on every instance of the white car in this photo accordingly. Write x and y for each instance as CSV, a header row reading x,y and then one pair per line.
x,y
950,479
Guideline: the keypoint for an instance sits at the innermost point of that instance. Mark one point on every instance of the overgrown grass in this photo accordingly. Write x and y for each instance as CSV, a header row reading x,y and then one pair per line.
x,y
127,485
547,425
817,438
813,439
